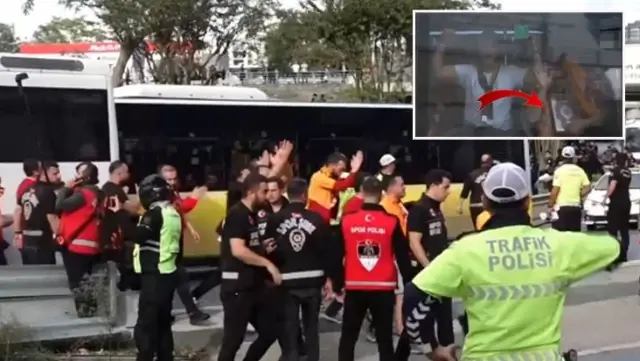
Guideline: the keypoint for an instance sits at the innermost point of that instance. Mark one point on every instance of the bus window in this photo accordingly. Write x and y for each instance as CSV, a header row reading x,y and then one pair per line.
x,y
213,139
66,125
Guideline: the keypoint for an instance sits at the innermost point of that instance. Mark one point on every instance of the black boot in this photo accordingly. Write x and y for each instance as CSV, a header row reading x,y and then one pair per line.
x,y
198,318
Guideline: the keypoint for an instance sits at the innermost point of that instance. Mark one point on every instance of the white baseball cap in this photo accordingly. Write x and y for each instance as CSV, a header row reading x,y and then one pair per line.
x,y
506,183
387,159
568,152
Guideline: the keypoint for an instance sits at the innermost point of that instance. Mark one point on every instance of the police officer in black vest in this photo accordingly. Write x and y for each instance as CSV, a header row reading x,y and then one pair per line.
x,y
243,263
301,245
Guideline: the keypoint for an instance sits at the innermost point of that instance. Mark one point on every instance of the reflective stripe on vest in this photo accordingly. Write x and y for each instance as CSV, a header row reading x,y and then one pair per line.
x,y
517,292
85,243
149,245
302,275
32,233
370,283
537,355
230,275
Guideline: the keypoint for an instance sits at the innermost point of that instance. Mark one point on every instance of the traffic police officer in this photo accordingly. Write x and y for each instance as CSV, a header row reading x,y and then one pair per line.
x,y
371,239
570,186
301,251
154,258
428,239
485,269
620,203
242,260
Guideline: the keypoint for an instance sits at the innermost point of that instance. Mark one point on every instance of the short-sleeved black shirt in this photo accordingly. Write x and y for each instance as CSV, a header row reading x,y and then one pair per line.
x,y
37,202
425,217
121,220
622,176
241,222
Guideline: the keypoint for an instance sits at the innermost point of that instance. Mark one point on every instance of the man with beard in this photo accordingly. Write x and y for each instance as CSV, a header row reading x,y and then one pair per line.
x,y
41,221
472,188
184,206
243,261
118,227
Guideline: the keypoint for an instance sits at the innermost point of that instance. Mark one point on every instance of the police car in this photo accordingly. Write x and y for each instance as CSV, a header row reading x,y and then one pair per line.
x,y
595,211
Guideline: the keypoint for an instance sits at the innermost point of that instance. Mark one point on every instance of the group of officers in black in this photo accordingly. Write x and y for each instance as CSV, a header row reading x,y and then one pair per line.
x,y
278,266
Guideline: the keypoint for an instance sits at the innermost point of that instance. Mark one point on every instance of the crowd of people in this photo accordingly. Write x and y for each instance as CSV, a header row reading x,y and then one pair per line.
x,y
594,161
343,236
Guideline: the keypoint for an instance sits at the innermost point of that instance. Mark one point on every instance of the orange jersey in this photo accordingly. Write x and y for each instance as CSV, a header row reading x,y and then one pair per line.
x,y
323,192
397,209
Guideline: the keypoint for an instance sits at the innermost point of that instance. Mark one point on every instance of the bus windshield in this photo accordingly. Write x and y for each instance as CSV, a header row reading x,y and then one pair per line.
x,y
67,125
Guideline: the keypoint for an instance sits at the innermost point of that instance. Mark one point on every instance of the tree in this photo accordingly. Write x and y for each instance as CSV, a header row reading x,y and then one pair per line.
x,y
176,29
70,30
373,37
8,39
293,40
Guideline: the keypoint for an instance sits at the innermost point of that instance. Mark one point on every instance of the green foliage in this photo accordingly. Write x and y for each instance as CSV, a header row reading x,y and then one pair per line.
x,y
70,30
14,348
8,39
177,28
352,33
295,39
369,94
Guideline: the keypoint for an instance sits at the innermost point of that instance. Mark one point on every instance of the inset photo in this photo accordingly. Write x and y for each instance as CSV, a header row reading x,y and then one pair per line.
x,y
518,75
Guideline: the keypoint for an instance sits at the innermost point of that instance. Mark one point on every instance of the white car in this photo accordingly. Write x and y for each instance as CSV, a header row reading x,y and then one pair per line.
x,y
595,210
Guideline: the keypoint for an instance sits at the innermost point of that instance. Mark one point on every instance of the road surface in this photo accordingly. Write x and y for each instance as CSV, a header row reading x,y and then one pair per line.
x,y
600,320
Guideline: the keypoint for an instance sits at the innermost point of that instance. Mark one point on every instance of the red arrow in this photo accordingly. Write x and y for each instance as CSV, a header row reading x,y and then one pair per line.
x,y
492,96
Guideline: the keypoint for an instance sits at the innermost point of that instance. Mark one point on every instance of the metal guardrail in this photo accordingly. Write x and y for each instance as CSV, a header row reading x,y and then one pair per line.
x,y
38,298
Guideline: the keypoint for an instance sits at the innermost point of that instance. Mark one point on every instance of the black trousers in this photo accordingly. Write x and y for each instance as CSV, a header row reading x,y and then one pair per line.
x,y
380,306
474,212
152,333
183,290
79,268
569,219
207,285
618,223
262,308
308,301
442,317
34,253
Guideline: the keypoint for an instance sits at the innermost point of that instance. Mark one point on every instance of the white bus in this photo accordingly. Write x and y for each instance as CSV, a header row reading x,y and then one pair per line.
x,y
53,108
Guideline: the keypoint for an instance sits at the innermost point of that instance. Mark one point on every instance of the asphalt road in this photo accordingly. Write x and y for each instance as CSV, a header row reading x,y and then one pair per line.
x,y
600,320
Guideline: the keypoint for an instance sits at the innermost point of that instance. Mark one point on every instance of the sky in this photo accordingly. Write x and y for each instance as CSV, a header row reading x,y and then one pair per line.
x,y
44,10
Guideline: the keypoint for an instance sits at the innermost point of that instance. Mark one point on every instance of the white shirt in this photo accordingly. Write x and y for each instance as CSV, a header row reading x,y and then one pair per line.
x,y
295,68
509,77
